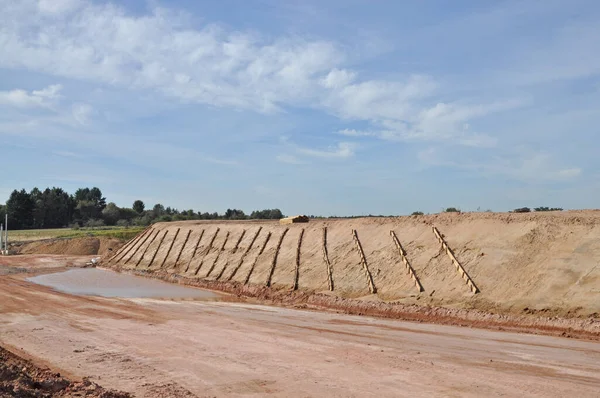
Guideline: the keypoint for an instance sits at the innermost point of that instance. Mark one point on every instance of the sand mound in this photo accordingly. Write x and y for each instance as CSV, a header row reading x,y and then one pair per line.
x,y
75,246
543,263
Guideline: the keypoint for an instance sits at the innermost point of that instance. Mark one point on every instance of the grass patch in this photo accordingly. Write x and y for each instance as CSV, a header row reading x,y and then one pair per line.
x,y
30,235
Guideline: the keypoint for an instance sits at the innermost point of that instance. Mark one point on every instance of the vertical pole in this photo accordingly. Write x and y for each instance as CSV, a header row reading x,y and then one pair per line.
x,y
6,233
1,236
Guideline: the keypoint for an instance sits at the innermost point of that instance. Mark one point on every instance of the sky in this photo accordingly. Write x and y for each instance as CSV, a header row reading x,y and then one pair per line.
x,y
315,107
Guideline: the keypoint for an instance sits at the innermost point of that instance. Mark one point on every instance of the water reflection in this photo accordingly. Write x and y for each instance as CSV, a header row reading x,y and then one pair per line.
x,y
97,282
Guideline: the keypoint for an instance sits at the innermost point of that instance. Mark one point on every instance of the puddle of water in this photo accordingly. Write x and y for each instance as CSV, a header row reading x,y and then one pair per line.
x,y
97,282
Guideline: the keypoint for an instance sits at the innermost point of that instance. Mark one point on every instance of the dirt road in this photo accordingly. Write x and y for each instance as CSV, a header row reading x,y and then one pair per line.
x,y
158,348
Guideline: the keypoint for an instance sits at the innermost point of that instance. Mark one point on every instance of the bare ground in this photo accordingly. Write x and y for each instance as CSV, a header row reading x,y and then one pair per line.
x,y
185,348
20,378
69,246
543,263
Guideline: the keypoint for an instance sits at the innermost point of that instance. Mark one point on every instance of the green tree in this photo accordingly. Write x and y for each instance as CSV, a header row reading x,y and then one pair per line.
x,y
35,194
128,214
19,208
522,210
90,203
545,208
111,214
204,216
234,214
139,206
158,210
144,220
39,209
190,214
275,214
267,214
55,208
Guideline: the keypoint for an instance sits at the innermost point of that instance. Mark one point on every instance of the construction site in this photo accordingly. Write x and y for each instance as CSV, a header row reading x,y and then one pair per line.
x,y
444,305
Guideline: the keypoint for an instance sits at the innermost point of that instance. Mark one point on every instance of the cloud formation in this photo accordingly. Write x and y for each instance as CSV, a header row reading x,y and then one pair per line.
x,y
342,150
43,98
212,65
500,93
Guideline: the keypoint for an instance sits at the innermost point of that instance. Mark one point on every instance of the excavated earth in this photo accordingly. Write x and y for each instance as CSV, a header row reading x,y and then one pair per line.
x,y
20,378
533,273
65,246
544,264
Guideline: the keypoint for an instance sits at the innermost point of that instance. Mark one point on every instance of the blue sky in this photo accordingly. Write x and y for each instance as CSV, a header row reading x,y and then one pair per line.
x,y
314,107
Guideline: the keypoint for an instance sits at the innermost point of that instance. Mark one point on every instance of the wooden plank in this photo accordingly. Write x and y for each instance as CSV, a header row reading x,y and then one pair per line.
x,y
461,270
409,267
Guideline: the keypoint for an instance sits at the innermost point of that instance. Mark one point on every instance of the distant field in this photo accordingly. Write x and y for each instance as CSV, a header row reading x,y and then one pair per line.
x,y
39,234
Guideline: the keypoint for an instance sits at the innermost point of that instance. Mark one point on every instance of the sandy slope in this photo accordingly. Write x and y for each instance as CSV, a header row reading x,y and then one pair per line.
x,y
539,262
71,246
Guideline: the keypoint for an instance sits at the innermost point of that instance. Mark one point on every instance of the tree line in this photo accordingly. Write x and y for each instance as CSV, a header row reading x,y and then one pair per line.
x,y
56,208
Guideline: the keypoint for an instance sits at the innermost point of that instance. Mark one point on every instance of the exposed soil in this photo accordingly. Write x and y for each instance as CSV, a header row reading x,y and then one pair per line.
x,y
75,246
186,348
534,322
540,263
537,273
20,378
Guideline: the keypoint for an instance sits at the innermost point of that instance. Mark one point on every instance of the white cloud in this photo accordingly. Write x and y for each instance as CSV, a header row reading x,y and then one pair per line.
x,y
38,98
82,113
338,78
58,6
445,122
51,92
379,99
342,150
398,112
212,65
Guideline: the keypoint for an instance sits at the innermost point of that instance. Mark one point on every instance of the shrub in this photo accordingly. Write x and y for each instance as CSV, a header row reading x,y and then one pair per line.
x,y
123,223
452,210
417,213
145,220
522,210
92,223
543,208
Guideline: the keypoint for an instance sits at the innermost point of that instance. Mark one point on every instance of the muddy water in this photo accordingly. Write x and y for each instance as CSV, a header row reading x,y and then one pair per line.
x,y
97,282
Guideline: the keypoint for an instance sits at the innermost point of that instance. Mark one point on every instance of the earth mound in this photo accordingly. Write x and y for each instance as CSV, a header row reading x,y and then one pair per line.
x,y
75,246
534,263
